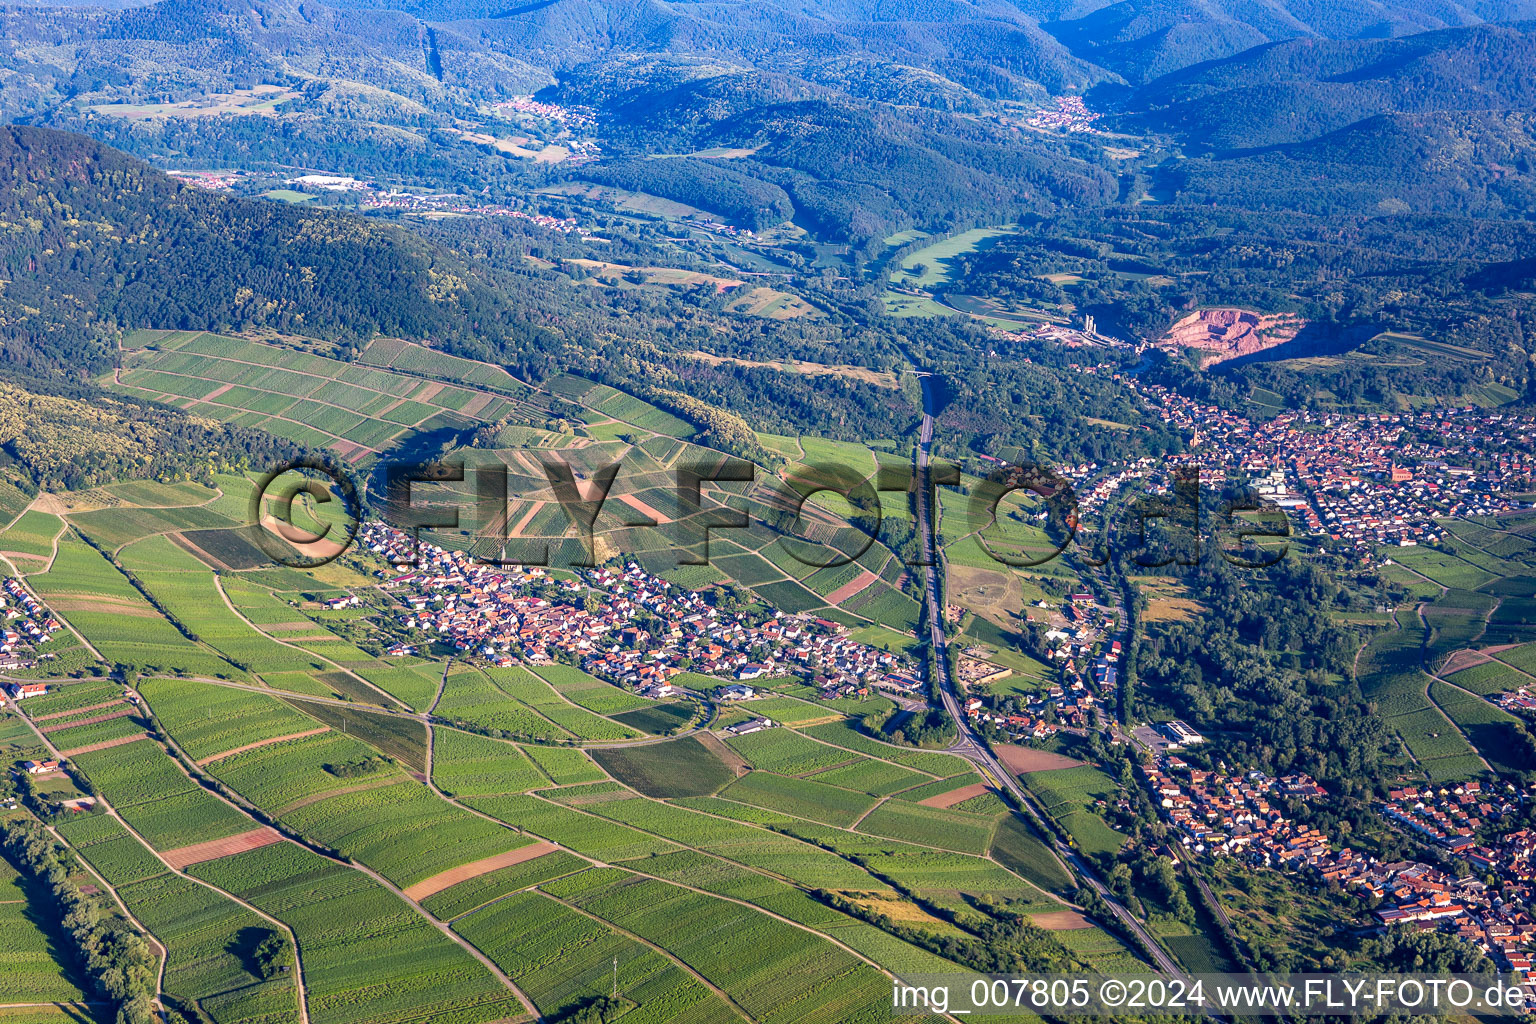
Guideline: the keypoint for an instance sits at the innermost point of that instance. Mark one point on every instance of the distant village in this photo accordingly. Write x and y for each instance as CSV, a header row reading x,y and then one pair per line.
x,y
1364,480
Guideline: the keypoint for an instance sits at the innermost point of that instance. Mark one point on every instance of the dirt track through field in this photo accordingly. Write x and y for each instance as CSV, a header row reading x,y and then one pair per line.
x,y
88,721
262,743
437,883
216,848
77,711
104,745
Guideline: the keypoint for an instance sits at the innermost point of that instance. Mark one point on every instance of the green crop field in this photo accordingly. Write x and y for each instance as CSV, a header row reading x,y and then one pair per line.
x,y
405,832
466,896
308,398
746,844
30,972
471,697
846,734
564,767
800,797
930,826
585,833
111,849
772,970
679,768
368,957
787,752
32,535
563,958
790,711
100,602
877,778
1017,848
208,720
659,719
464,764
588,691
210,940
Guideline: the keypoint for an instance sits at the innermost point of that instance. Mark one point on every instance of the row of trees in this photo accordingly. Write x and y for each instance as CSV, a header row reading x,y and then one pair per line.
x,y
115,956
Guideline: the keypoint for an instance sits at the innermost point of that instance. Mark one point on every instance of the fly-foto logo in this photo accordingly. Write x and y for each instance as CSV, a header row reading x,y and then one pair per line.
x,y
1019,516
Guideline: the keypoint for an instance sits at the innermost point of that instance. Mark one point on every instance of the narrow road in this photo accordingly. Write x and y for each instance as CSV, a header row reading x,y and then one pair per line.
x,y
969,745
218,585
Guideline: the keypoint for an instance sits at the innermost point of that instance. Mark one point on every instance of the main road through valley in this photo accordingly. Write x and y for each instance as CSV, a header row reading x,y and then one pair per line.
x,y
969,745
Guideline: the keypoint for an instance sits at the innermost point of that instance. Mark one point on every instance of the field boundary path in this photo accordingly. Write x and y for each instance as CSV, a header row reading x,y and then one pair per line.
x,y
261,743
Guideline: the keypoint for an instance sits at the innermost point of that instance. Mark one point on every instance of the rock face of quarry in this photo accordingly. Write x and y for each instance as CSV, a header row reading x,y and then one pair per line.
x,y
1222,334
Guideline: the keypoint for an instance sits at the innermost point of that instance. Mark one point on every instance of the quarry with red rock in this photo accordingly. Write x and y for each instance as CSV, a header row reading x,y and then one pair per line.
x,y
1222,334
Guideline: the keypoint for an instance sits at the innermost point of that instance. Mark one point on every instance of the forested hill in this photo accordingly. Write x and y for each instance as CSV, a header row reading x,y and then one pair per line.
x,y
95,241
1144,39
986,47
1301,90
845,170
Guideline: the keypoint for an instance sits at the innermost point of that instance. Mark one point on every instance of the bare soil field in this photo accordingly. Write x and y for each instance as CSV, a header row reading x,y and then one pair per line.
x,y
1023,760
1061,921
437,883
956,796
216,848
